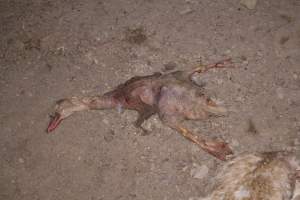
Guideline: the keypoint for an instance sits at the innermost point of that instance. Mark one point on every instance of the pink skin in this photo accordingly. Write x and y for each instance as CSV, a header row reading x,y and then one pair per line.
x,y
54,122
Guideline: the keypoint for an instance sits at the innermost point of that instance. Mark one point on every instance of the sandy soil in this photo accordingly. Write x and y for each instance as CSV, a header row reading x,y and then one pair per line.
x,y
55,49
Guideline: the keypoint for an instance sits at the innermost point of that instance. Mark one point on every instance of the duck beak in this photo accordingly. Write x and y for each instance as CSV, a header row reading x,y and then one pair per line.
x,y
54,122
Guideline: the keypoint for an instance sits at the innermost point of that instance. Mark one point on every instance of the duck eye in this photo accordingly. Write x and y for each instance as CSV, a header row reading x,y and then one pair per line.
x,y
51,116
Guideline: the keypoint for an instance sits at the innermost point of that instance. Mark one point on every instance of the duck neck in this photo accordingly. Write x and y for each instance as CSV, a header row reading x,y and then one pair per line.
x,y
99,102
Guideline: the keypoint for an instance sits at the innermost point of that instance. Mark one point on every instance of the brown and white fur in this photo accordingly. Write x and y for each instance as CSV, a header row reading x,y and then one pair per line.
x,y
258,176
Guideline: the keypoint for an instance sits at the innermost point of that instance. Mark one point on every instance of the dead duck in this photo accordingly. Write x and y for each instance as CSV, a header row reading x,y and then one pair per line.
x,y
173,96
257,176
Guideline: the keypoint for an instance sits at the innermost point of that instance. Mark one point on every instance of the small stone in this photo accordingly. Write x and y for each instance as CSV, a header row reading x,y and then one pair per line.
x,y
105,121
152,167
288,149
21,160
250,4
186,11
245,62
295,76
279,92
259,54
170,66
219,81
239,99
148,126
198,171
185,168
228,52
235,143
30,94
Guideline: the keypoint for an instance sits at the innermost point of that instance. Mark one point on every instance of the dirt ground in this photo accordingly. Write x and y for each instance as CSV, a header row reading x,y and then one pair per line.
x,y
55,49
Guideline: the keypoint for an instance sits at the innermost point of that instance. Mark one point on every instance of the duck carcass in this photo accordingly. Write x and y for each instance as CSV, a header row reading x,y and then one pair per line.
x,y
173,96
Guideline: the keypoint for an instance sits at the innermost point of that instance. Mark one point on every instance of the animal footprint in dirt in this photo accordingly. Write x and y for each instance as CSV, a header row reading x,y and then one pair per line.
x,y
173,96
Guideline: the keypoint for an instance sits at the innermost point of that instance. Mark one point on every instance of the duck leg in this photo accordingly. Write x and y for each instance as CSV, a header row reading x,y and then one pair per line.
x,y
217,148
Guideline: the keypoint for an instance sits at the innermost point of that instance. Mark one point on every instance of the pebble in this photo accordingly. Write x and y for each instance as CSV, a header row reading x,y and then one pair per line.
x,y
250,4
185,168
245,62
170,66
30,94
288,149
279,93
148,126
239,99
199,171
219,81
105,121
21,160
228,52
295,76
186,11
235,143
